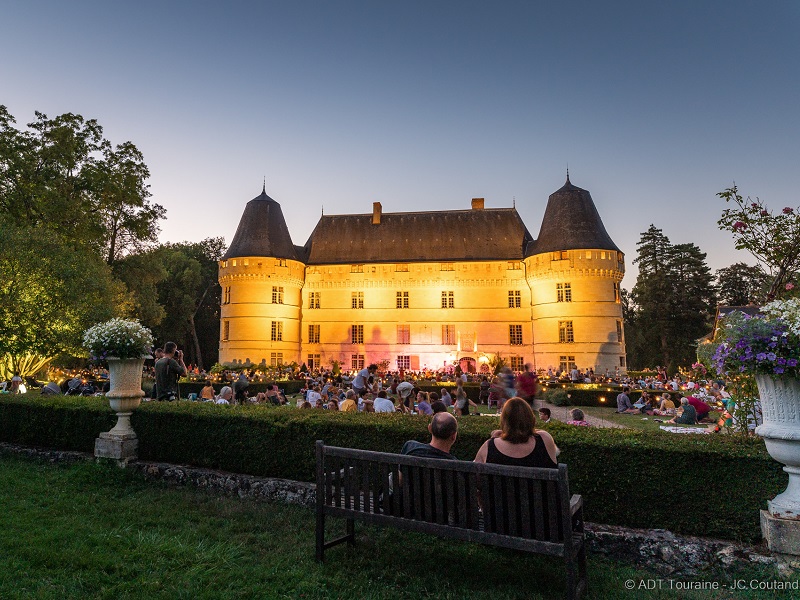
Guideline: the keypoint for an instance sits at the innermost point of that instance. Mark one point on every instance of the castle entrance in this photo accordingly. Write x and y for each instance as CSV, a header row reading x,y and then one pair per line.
x,y
468,364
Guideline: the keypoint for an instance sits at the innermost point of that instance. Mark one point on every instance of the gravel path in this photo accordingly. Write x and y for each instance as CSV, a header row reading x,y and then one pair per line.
x,y
561,413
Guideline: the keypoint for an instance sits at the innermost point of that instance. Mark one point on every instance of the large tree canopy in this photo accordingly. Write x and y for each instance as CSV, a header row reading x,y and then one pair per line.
x,y
50,291
61,174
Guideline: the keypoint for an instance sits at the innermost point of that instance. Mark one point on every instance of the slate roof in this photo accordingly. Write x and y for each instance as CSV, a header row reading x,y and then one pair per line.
x,y
571,221
262,231
454,235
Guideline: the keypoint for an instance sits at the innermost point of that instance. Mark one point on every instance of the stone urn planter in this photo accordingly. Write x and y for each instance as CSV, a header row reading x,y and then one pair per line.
x,y
125,394
780,406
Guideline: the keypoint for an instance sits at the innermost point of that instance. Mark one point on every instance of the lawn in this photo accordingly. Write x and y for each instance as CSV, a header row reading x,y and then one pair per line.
x,y
96,531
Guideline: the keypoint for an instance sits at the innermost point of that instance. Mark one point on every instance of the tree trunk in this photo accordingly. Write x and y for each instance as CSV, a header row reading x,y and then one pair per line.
x,y
195,343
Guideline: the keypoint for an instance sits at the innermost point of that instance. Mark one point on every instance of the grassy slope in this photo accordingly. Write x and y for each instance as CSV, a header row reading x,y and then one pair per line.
x,y
93,531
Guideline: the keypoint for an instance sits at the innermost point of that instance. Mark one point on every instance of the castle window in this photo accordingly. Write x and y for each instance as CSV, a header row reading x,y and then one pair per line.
x,y
403,362
619,331
357,300
401,268
356,334
246,262
565,332
617,295
517,364
277,331
514,299
447,267
514,265
356,268
226,330
564,255
313,362
588,254
313,299
233,262
226,295
402,300
356,362
620,257
564,292
515,335
281,262
448,335
566,364
404,334
448,300
277,295
621,361
313,334
276,359
603,255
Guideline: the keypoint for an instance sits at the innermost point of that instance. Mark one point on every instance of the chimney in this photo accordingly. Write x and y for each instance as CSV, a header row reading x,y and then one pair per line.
x,y
376,213
477,204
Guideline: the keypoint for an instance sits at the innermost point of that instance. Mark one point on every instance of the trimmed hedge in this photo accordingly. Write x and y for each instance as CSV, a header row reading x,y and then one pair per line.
x,y
577,396
697,485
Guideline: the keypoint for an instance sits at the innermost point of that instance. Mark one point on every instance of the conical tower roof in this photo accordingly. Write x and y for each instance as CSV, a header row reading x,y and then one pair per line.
x,y
262,231
571,221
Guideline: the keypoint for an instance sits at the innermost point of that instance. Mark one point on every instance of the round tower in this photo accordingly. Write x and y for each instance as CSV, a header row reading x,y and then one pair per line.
x,y
574,271
261,276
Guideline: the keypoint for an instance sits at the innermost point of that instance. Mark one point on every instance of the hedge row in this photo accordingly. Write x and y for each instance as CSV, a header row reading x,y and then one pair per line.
x,y
294,386
697,485
596,397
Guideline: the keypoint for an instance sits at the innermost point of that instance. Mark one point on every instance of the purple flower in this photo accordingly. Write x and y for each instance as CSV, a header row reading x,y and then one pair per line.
x,y
771,356
788,210
778,370
792,362
781,361
764,213
761,356
739,226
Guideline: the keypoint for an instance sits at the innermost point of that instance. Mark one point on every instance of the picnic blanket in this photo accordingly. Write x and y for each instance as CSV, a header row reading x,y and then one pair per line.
x,y
677,429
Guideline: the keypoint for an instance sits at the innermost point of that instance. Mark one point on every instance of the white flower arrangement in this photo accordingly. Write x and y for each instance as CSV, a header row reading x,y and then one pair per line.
x,y
118,338
786,310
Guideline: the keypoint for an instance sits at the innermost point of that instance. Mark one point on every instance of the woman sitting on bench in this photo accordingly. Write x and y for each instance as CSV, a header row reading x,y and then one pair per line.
x,y
517,442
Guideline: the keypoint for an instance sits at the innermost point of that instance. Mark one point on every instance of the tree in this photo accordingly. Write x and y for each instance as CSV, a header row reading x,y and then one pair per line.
x,y
773,239
190,295
51,290
671,305
741,284
63,175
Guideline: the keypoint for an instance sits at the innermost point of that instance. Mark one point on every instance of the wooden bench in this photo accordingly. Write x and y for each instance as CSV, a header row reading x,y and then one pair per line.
x,y
511,507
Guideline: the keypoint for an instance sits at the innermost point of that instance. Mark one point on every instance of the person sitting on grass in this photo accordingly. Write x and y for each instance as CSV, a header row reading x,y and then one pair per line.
x,y
544,415
688,417
577,418
306,404
225,395
667,406
701,407
463,403
207,393
349,404
423,406
382,404
333,404
624,404
438,407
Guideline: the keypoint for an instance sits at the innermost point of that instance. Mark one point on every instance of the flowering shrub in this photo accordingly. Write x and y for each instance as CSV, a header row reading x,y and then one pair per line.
x,y
768,343
118,338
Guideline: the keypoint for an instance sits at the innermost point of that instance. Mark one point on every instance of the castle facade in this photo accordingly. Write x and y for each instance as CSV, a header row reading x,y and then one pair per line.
x,y
426,289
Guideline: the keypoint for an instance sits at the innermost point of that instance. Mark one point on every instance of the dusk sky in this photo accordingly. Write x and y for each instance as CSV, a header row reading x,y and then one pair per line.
x,y
655,107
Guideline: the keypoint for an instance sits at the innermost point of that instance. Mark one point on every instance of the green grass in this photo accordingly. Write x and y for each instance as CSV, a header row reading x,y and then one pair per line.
x,y
96,531
632,421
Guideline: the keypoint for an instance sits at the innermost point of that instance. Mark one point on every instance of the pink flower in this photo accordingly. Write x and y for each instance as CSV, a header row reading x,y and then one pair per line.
x,y
739,226
764,213
789,286
754,205
788,210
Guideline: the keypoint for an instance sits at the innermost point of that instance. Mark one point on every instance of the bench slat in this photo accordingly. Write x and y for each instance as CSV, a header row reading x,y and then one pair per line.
x,y
439,497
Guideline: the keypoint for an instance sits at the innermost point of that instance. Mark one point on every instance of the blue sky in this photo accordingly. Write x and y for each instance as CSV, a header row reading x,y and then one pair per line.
x,y
656,107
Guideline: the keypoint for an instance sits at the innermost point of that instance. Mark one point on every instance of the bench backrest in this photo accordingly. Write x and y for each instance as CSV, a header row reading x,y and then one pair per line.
x,y
520,502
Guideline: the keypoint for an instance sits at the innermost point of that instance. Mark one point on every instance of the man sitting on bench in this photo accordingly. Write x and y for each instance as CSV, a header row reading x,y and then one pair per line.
x,y
444,429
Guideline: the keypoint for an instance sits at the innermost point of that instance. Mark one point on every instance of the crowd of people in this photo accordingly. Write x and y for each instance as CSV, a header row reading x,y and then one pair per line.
x,y
696,402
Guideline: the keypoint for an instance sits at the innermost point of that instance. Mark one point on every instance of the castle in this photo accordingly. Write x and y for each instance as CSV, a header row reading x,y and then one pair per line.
x,y
426,289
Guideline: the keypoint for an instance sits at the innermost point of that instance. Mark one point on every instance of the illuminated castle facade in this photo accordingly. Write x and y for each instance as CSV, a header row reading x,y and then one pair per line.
x,y
425,289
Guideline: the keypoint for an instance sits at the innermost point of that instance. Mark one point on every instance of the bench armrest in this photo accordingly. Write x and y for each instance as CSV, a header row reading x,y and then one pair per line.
x,y
575,504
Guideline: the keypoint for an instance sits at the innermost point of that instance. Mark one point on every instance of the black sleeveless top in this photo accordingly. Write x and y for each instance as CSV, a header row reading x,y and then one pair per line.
x,y
537,458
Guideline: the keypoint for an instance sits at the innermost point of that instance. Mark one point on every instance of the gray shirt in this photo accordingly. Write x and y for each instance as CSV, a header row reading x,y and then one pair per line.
x,y
623,402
